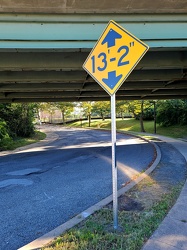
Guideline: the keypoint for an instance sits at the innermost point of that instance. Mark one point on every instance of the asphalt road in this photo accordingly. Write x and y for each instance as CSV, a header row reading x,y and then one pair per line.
x,y
42,187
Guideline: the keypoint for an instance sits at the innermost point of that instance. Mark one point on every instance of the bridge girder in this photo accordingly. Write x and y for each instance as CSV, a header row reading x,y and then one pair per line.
x,y
42,57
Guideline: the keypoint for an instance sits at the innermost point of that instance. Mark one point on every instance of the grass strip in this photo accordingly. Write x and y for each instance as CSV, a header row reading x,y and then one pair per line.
x,y
133,125
96,233
20,142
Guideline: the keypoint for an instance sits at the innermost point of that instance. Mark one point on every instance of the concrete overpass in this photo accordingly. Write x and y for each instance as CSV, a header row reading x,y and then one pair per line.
x,y
43,45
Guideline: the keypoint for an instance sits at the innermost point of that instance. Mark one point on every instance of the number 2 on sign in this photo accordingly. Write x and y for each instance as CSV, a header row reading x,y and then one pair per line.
x,y
104,61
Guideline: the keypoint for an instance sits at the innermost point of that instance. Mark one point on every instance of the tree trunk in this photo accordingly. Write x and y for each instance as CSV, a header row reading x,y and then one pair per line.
x,y
102,115
63,118
89,119
141,118
39,116
121,115
51,118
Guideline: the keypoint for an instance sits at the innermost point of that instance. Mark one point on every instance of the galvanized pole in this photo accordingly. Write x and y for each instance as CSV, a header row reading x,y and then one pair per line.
x,y
114,167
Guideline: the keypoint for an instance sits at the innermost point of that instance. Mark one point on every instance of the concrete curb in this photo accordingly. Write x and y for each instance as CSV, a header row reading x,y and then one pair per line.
x,y
46,238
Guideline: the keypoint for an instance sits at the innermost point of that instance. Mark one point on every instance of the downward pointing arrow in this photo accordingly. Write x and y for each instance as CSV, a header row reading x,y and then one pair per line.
x,y
112,79
110,38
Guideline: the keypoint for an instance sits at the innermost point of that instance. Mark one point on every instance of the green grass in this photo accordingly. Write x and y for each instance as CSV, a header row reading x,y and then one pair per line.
x,y
96,232
133,125
20,142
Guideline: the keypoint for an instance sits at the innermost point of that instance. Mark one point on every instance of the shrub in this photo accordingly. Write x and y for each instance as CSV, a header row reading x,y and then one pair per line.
x,y
148,115
172,112
19,119
5,139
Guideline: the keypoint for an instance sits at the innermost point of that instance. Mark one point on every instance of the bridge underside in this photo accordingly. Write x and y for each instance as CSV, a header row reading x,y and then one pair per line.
x,y
42,56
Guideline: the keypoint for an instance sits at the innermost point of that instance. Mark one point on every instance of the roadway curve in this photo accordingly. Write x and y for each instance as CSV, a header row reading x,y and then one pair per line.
x,y
44,186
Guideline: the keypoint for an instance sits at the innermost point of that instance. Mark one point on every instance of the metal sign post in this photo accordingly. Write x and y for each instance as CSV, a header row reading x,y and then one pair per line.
x,y
114,166
114,56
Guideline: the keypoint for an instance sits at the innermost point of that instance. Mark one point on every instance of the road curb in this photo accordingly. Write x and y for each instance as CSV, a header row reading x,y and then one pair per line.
x,y
48,237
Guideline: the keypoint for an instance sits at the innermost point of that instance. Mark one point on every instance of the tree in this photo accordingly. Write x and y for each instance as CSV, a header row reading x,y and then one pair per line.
x,y
122,107
49,107
87,109
66,108
139,108
102,108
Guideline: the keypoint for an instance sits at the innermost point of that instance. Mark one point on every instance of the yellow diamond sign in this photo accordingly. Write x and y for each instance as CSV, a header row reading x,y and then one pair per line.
x,y
115,55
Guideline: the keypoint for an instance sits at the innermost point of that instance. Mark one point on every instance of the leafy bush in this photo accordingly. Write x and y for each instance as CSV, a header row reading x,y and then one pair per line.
x,y
5,139
3,130
148,114
19,119
172,112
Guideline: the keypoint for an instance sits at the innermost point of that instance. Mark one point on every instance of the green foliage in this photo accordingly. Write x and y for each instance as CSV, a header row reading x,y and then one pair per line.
x,y
87,108
5,140
101,108
148,110
50,107
148,114
65,108
9,144
19,119
172,112
3,130
122,108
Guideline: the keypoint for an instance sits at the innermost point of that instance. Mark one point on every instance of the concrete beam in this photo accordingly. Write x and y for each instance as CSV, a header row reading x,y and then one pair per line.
x,y
96,6
85,99
81,31
90,94
42,76
155,75
81,76
74,60
92,86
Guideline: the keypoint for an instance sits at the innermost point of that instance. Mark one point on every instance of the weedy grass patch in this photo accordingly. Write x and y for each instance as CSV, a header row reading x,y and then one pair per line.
x,y
20,142
136,226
